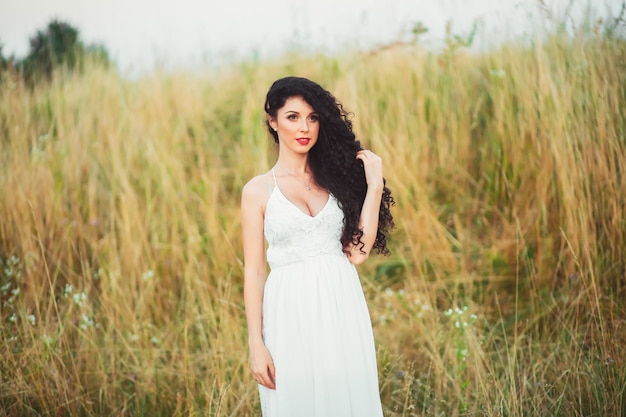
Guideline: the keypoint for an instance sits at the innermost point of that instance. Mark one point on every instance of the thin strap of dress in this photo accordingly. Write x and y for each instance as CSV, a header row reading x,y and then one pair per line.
x,y
274,175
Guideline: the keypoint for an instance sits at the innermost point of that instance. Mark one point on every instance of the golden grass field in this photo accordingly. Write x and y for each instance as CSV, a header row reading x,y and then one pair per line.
x,y
120,249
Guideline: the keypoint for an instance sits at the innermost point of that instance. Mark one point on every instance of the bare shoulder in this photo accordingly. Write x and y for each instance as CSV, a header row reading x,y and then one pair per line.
x,y
256,191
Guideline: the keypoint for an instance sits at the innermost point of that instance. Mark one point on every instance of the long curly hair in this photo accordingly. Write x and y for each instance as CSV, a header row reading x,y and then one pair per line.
x,y
333,159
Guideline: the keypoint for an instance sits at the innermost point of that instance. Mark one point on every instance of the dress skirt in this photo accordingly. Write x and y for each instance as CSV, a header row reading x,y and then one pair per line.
x,y
317,327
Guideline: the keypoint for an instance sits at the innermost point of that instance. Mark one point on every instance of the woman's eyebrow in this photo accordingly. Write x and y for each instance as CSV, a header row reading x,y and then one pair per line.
x,y
297,112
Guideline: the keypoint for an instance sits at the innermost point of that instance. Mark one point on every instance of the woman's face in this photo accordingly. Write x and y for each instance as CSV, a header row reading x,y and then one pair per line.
x,y
297,125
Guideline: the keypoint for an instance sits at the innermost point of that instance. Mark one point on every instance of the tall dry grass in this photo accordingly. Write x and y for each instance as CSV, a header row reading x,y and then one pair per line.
x,y
120,244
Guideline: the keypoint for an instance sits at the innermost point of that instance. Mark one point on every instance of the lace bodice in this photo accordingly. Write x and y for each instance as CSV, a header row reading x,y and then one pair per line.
x,y
293,235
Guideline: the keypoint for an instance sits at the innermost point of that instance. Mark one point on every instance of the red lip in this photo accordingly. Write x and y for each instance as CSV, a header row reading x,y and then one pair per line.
x,y
303,141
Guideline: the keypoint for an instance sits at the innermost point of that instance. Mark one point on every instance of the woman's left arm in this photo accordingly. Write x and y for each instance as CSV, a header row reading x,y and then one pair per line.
x,y
368,222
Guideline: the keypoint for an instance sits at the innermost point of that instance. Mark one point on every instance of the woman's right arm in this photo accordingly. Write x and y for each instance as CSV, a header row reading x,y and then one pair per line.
x,y
253,199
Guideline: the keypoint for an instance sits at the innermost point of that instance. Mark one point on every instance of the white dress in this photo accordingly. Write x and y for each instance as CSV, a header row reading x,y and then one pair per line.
x,y
315,320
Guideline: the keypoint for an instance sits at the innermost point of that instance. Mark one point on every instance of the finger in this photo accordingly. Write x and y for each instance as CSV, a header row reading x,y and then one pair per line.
x,y
366,154
271,373
258,377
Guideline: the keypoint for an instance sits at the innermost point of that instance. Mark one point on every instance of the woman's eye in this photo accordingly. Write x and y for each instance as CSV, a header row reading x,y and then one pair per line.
x,y
313,118
292,117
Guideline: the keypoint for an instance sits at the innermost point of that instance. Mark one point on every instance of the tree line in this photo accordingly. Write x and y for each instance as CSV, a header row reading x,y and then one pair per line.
x,y
58,45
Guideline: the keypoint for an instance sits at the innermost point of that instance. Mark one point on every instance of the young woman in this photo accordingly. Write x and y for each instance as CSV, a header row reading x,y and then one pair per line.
x,y
322,208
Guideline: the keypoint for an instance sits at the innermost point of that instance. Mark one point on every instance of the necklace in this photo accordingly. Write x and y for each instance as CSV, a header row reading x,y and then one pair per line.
x,y
307,186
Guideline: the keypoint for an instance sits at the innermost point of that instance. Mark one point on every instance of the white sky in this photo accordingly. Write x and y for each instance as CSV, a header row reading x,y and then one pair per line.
x,y
138,33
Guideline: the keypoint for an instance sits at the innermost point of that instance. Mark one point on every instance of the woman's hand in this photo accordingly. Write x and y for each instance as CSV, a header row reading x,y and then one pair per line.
x,y
373,166
368,220
262,366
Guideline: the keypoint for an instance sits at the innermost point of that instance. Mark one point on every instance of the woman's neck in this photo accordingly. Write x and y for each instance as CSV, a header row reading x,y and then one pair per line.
x,y
294,165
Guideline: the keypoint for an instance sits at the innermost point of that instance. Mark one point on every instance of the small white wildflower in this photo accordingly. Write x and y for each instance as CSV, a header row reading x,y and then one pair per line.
x,y
47,340
500,73
148,275
473,317
86,322
8,272
68,290
464,354
31,318
98,274
388,292
5,288
154,340
464,324
13,318
76,298
15,291
457,324
401,292
133,337
465,308
448,312
458,311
